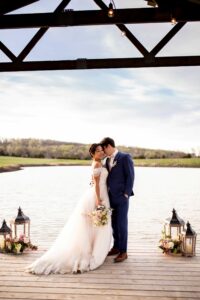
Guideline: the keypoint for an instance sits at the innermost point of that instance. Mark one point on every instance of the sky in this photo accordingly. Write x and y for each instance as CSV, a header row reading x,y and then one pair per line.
x,y
156,108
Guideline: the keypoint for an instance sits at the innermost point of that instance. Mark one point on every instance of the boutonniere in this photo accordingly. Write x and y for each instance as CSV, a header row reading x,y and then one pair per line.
x,y
114,164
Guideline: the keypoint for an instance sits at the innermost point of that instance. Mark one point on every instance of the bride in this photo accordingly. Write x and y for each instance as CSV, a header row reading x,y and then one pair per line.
x,y
81,246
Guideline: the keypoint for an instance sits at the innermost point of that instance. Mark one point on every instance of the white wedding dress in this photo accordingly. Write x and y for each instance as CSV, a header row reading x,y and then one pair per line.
x,y
80,246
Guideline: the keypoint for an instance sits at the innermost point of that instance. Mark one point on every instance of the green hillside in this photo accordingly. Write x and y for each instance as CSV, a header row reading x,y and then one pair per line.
x,y
35,148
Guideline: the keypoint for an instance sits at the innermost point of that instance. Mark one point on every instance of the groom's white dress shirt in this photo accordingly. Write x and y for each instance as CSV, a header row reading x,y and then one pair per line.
x,y
112,157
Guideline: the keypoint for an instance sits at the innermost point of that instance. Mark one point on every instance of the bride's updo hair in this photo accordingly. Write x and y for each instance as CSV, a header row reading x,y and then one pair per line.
x,y
93,148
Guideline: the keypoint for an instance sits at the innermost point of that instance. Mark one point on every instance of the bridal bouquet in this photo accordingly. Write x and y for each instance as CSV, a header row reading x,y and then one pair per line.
x,y
100,215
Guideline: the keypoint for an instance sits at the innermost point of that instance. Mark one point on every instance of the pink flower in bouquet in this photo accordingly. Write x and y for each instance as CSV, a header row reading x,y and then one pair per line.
x,y
21,237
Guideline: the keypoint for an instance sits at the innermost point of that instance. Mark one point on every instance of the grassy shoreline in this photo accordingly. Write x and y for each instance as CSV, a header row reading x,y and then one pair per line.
x,y
8,163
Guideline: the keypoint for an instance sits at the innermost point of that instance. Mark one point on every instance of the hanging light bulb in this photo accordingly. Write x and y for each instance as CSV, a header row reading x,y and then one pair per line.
x,y
110,10
173,21
123,33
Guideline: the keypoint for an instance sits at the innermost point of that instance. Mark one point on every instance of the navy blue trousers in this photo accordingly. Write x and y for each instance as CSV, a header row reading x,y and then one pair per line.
x,y
120,207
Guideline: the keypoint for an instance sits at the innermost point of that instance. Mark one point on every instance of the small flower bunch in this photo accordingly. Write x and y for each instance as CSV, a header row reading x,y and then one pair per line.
x,y
100,215
169,245
114,164
18,245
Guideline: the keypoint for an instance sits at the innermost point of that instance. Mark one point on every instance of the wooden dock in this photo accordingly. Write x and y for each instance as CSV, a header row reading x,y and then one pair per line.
x,y
146,275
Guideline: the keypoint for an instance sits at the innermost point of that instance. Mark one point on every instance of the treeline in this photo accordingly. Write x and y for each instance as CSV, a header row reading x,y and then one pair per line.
x,y
63,150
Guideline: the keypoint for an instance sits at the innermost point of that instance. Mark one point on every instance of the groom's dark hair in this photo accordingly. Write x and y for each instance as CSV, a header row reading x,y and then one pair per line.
x,y
107,141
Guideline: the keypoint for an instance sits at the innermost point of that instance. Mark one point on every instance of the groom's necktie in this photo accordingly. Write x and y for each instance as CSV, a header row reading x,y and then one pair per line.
x,y
110,161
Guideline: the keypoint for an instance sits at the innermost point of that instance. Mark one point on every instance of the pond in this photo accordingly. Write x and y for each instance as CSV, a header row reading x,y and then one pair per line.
x,y
48,195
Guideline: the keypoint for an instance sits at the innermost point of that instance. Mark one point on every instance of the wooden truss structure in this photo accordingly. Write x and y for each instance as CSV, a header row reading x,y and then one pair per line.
x,y
162,11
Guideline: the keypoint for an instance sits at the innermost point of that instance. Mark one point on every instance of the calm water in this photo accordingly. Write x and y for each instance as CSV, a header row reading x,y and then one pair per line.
x,y
48,195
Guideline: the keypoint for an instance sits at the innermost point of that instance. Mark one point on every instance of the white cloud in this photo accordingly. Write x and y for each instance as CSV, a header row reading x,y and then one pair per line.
x,y
139,108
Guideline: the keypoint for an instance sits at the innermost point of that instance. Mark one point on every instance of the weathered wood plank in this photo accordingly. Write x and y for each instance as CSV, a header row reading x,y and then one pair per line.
x,y
141,280
84,291
97,286
86,297
127,273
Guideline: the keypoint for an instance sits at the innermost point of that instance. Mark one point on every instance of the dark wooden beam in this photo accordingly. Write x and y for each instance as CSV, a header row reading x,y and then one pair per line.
x,y
39,34
101,63
95,17
7,6
129,35
167,38
64,18
7,52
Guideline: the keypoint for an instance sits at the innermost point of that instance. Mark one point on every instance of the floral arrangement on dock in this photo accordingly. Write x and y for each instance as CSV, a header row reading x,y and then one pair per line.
x,y
17,245
169,245
100,215
176,240
16,239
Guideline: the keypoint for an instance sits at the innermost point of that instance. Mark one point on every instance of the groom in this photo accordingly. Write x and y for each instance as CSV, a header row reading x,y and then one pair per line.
x,y
120,188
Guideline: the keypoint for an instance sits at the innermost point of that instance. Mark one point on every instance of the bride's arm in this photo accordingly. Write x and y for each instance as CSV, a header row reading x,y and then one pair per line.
x,y
96,178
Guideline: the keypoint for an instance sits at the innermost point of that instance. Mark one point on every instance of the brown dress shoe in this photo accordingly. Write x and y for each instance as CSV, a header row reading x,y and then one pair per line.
x,y
113,251
121,257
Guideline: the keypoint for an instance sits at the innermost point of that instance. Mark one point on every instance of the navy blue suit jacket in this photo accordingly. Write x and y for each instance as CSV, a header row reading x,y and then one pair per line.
x,y
121,177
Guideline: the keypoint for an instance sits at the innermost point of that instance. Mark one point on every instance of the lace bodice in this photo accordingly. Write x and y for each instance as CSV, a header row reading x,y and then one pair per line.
x,y
103,172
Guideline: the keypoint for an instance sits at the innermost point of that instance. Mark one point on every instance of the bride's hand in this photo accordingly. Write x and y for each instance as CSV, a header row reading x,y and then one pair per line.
x,y
99,202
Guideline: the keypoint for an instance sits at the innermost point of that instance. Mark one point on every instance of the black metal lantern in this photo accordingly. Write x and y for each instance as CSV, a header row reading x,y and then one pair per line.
x,y
174,226
189,241
5,233
21,226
